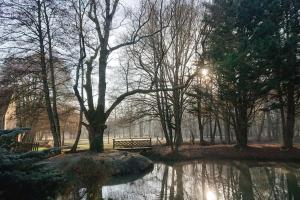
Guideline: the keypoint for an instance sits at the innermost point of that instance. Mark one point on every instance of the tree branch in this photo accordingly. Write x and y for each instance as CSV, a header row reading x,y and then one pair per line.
x,y
145,91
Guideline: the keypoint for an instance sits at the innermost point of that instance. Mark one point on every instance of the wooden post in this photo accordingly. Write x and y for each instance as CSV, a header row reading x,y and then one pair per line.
x,y
150,142
113,143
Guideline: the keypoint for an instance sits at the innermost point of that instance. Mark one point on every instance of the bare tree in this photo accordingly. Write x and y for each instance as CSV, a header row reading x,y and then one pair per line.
x,y
167,59
101,16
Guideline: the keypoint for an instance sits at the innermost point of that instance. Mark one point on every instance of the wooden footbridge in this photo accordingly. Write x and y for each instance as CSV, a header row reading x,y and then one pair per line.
x,y
132,144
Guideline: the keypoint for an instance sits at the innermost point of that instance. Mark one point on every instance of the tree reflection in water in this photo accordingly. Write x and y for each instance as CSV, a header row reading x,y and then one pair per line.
x,y
207,180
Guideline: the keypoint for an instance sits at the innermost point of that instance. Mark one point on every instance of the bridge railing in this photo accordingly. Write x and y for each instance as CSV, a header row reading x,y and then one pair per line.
x,y
132,143
25,147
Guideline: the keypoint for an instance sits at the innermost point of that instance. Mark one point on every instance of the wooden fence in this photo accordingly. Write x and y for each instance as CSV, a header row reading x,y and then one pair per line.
x,y
25,147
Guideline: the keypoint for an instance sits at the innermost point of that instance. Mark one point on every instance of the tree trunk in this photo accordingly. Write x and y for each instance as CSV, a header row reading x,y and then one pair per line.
x,y
96,138
210,128
178,136
79,130
141,129
96,126
241,136
63,138
241,130
269,126
261,128
227,129
214,133
162,114
199,118
52,75
289,122
276,126
177,109
219,128
56,137
201,131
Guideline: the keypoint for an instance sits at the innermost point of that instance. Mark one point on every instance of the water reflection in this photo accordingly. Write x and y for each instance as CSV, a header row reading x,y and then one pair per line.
x,y
211,195
207,180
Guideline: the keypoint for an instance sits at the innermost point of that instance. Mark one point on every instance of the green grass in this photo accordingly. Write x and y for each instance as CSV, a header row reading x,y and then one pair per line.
x,y
82,145
43,148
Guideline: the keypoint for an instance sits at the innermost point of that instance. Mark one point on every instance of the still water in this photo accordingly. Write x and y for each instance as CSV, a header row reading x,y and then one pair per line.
x,y
207,180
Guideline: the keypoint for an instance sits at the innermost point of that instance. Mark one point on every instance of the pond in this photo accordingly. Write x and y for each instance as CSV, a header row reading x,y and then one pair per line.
x,y
207,180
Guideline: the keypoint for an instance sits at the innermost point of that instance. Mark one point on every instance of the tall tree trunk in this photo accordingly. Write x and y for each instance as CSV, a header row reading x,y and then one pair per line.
x,y
80,66
96,129
141,129
269,126
241,130
214,133
46,91
178,136
200,124
227,129
96,138
210,127
52,75
289,122
162,113
261,128
4,103
169,125
276,126
177,118
219,128
79,130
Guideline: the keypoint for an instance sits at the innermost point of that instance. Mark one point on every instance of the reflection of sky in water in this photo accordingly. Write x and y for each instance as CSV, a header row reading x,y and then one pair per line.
x,y
211,195
161,183
147,187
211,181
